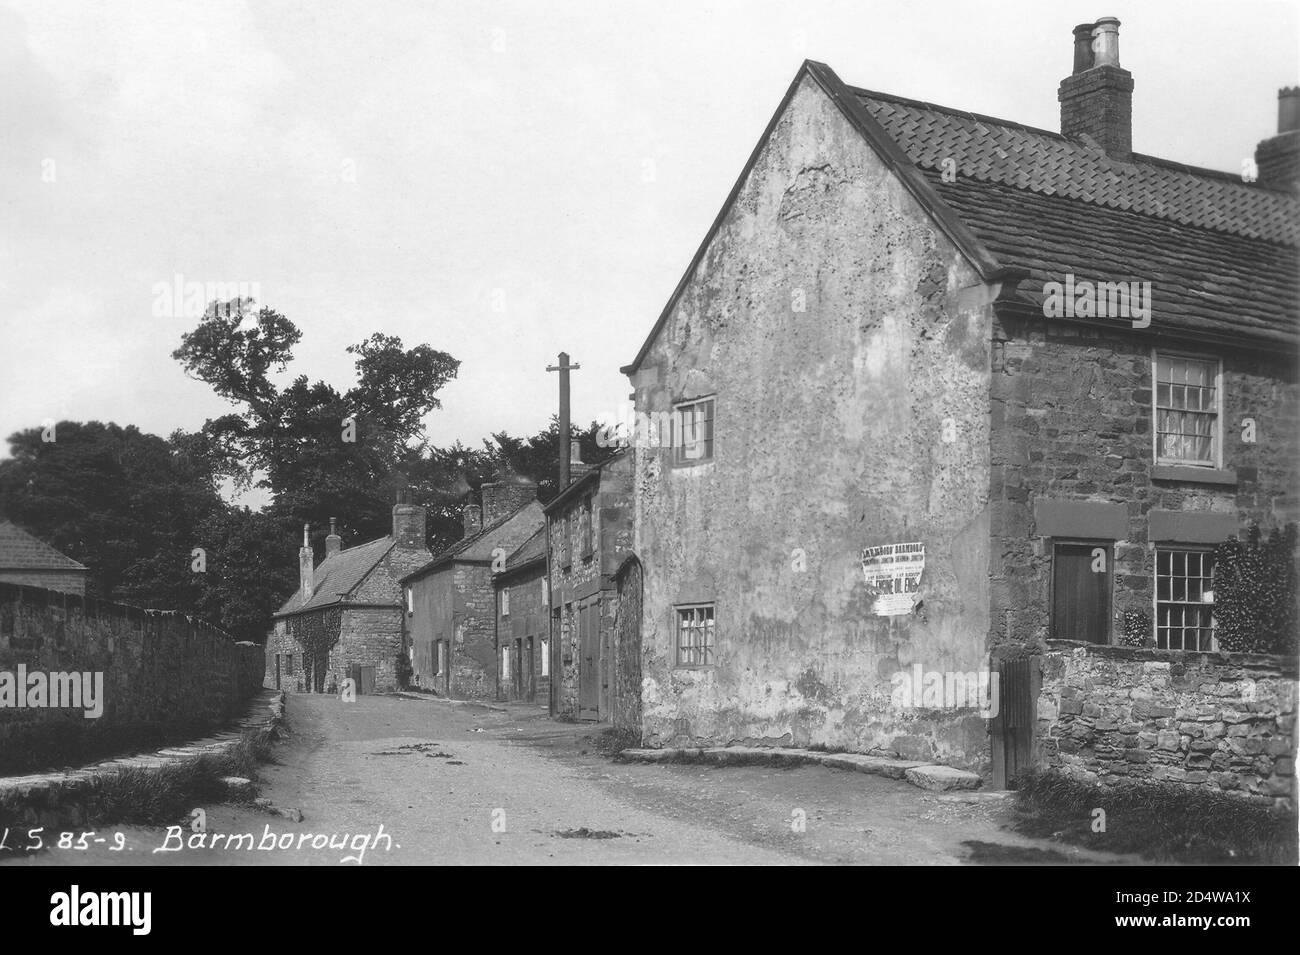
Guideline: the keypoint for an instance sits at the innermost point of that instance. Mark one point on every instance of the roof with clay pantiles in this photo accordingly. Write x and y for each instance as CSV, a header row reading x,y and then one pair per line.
x,y
19,550
1027,206
989,150
1221,254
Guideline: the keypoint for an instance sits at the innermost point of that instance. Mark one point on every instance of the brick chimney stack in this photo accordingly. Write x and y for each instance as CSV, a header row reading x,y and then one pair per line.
x,y
306,564
504,497
1278,158
409,525
1097,98
333,543
473,517
577,467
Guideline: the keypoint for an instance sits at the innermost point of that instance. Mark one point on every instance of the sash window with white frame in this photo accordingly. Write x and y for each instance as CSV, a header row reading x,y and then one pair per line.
x,y
1187,427
1184,599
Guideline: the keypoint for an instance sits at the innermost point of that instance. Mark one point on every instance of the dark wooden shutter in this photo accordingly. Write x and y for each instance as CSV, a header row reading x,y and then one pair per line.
x,y
1080,595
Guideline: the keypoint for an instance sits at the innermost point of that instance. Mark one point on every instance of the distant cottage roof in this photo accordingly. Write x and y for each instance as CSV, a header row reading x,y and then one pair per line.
x,y
339,575
19,550
1027,206
529,552
481,547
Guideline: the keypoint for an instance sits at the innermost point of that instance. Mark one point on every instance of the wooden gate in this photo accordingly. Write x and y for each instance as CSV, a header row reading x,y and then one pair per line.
x,y
1011,735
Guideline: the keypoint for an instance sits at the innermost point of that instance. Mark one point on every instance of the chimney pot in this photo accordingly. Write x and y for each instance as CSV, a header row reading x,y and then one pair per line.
x,y
333,543
1105,42
1083,47
473,518
575,452
1288,109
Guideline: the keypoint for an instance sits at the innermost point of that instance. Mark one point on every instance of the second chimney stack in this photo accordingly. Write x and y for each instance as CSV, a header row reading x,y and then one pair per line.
x,y
1097,98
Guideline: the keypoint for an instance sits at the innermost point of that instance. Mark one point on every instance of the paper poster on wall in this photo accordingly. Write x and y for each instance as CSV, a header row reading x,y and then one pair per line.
x,y
893,572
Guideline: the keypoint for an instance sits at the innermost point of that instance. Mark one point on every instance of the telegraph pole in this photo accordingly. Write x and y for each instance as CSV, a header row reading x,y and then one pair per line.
x,y
564,368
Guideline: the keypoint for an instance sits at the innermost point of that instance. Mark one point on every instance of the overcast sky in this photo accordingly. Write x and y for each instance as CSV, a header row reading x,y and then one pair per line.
x,y
500,180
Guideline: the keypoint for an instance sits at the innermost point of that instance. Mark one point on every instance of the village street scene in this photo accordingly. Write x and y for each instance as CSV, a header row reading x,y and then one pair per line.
x,y
432,438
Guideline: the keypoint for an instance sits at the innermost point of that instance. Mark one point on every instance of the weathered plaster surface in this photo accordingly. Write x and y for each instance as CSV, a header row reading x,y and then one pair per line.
x,y
830,436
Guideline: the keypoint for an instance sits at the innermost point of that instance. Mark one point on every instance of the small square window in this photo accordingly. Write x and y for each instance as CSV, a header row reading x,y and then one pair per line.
x,y
695,636
692,431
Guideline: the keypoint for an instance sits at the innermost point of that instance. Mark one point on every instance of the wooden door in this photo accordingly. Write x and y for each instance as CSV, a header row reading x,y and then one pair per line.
x,y
1081,592
1011,732
530,679
588,664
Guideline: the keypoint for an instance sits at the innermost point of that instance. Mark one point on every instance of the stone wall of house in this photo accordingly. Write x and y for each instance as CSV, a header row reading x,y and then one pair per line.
x,y
164,673
368,636
430,624
473,647
1072,421
1222,721
583,577
528,620
847,343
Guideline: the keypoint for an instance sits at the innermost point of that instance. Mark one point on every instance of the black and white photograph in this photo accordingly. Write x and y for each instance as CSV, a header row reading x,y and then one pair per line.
x,y
576,433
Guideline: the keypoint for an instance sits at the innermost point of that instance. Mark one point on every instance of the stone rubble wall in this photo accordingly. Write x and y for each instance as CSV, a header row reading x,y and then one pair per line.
x,y
163,671
1223,721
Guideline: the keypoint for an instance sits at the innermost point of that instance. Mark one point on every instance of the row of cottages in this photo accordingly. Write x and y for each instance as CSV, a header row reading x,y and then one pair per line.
x,y
345,620
451,601
593,577
896,454
29,561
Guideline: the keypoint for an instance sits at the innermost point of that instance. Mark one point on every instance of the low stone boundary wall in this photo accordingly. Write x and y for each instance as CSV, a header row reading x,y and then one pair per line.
x,y
1224,721
165,675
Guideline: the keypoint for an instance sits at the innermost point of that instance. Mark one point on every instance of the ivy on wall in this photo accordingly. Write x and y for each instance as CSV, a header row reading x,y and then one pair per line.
x,y
1255,592
317,633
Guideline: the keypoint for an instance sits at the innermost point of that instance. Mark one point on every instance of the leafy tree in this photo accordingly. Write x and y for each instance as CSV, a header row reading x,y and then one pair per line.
x,y
315,448
126,504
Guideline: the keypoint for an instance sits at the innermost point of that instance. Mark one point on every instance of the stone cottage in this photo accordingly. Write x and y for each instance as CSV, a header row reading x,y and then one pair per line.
x,y
451,602
29,561
523,624
346,619
939,398
590,539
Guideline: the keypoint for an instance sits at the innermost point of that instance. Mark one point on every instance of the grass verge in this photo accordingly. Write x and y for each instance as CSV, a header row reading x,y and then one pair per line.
x,y
143,796
1162,821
